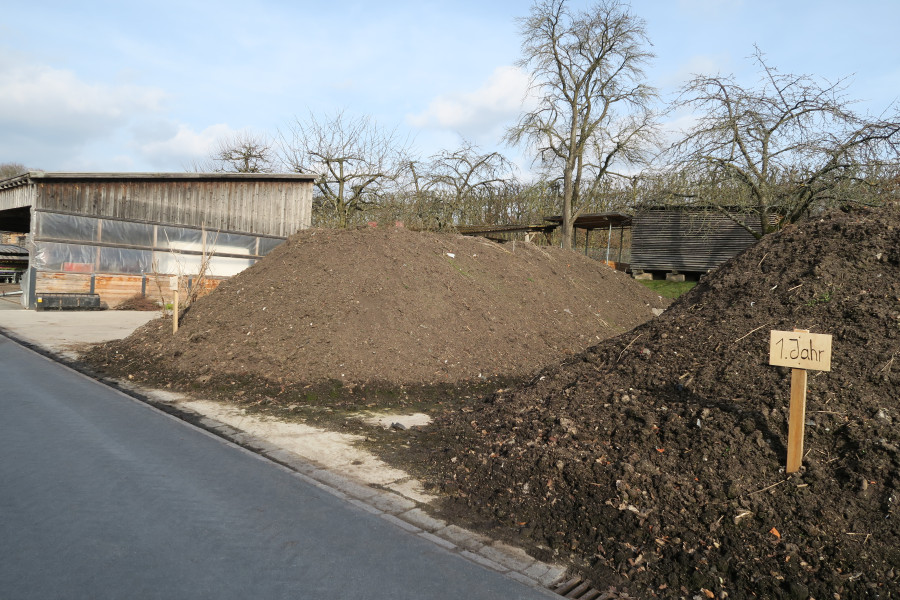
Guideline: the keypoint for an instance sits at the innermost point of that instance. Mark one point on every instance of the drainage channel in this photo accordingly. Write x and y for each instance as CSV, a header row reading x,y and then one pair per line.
x,y
582,589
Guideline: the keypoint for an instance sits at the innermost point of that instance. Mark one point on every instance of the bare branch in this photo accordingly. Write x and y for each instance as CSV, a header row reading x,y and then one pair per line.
x,y
791,144
242,152
353,158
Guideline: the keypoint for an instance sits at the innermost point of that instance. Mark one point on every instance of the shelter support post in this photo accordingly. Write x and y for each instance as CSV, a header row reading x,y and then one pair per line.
x,y
621,242
608,238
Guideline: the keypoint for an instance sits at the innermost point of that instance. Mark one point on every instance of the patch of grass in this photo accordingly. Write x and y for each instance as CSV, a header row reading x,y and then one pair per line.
x,y
669,289
820,299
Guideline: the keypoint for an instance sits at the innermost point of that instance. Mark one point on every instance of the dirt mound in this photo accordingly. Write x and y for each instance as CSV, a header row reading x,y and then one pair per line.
x,y
138,302
390,305
655,460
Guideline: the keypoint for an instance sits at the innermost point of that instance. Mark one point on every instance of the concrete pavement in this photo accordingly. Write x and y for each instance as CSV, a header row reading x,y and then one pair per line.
x,y
63,331
60,332
106,497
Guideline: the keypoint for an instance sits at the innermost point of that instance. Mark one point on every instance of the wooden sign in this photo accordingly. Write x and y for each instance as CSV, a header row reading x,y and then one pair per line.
x,y
800,350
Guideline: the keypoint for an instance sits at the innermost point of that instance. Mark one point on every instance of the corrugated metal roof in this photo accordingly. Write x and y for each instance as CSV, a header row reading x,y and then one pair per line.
x,y
487,229
593,221
10,250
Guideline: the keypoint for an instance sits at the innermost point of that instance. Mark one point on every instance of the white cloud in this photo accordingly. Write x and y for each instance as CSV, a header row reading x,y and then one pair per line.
x,y
481,112
52,119
48,115
178,146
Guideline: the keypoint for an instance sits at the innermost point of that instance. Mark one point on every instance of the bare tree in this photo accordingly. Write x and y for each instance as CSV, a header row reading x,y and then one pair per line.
x,y
594,109
11,169
242,152
465,177
789,145
355,160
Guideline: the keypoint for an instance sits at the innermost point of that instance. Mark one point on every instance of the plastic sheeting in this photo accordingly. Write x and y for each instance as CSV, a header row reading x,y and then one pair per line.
x,y
66,227
190,264
216,242
177,250
25,284
78,258
175,238
126,233
125,260
231,243
75,258
179,238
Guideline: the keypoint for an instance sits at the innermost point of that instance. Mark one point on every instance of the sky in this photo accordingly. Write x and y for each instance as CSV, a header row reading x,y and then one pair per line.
x,y
151,86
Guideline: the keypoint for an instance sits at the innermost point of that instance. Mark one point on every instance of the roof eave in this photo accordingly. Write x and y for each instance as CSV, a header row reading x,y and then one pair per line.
x,y
187,176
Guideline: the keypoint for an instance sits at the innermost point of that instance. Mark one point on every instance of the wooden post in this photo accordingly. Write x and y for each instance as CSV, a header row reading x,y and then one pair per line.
x,y
175,313
621,242
800,350
173,285
796,417
608,238
796,420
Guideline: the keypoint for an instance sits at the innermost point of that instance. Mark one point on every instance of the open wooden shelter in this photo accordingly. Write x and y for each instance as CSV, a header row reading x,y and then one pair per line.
x,y
610,223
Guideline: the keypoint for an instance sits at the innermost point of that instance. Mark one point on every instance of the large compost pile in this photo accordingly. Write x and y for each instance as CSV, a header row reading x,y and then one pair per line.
x,y
655,460
389,307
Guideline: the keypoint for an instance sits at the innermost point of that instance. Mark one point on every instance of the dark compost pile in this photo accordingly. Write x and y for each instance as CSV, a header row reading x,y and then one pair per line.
x,y
655,460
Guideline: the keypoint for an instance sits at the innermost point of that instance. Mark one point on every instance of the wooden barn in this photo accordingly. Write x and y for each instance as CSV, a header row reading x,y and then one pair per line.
x,y
692,241
117,235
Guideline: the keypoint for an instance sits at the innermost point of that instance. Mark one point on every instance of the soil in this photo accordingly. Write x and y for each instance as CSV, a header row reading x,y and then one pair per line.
x,y
389,307
652,461
655,460
138,302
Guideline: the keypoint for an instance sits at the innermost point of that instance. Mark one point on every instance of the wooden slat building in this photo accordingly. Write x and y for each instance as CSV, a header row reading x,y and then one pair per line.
x,y
685,240
106,233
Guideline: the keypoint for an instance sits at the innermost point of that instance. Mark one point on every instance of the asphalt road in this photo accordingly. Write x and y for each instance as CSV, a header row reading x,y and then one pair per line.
x,y
102,496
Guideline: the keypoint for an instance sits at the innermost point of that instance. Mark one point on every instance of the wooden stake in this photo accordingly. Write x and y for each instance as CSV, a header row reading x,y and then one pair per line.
x,y
797,417
175,313
173,285
797,420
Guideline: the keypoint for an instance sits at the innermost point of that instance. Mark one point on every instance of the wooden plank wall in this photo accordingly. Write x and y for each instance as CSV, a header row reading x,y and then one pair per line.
x,y
113,289
16,197
277,208
63,283
685,241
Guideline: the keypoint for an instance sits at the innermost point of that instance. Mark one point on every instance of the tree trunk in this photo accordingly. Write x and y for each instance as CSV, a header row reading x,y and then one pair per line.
x,y
568,193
